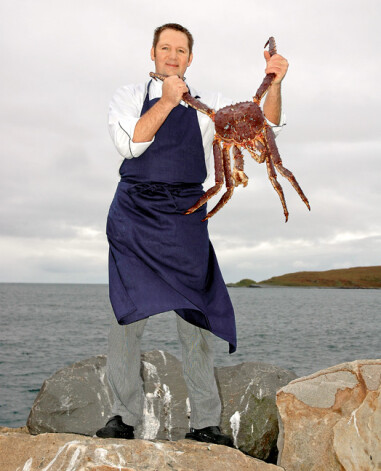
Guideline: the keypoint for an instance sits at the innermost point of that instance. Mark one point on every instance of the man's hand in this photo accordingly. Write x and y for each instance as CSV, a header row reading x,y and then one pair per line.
x,y
277,65
147,126
272,107
173,90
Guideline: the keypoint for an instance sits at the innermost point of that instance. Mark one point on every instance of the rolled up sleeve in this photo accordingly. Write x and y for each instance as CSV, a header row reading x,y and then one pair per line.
x,y
277,128
124,113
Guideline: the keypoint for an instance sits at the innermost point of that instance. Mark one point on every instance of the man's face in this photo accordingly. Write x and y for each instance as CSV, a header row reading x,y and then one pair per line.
x,y
171,54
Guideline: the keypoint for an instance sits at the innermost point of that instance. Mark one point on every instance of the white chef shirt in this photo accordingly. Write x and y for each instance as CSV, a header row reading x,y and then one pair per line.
x,y
126,106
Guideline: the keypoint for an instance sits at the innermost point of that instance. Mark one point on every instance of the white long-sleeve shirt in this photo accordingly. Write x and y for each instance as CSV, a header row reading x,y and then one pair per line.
x,y
127,103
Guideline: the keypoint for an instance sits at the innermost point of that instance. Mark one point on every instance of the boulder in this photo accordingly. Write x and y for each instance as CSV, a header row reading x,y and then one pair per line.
x,y
166,406
249,412
21,451
77,399
331,420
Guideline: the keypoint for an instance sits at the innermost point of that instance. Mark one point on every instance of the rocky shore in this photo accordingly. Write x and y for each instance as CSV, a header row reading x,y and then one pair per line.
x,y
330,420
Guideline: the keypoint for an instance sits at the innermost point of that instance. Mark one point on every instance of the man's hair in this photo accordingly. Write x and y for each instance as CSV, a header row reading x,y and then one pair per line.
x,y
176,27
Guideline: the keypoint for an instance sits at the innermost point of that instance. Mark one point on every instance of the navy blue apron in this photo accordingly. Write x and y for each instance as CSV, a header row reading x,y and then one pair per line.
x,y
159,258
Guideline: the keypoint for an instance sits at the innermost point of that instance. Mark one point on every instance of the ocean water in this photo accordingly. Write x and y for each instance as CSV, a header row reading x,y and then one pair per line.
x,y
45,327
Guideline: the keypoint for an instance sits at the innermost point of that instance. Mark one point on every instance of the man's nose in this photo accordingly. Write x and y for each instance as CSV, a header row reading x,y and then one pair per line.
x,y
173,54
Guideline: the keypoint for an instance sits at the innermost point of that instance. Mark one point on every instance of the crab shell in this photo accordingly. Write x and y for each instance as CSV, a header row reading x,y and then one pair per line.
x,y
239,122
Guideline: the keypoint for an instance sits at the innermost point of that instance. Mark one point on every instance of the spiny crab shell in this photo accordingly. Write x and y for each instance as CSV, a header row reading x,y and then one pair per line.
x,y
239,122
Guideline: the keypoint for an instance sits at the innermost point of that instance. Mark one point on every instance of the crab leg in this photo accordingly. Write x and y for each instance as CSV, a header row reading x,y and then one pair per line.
x,y
229,182
273,150
219,178
239,176
198,105
277,187
189,99
155,76
267,81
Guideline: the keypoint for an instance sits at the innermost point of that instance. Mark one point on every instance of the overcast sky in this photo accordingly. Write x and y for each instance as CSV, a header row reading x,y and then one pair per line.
x,y
61,63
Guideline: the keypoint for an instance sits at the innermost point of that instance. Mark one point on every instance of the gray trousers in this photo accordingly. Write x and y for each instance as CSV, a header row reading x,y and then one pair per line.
x,y
123,372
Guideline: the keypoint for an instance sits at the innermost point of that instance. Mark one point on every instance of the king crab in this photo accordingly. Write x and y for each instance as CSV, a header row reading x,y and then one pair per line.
x,y
242,125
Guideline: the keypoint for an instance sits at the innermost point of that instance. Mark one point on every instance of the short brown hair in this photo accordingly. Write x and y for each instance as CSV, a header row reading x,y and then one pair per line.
x,y
176,27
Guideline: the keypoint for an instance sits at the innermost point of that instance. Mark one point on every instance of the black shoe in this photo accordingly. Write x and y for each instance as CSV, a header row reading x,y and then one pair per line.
x,y
210,435
116,428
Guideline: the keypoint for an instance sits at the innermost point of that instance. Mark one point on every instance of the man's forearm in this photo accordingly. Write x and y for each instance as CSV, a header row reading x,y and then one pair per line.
x,y
272,107
150,122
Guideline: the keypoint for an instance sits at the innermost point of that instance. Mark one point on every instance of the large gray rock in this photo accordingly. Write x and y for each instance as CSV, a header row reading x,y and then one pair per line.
x,y
54,452
249,413
166,406
77,399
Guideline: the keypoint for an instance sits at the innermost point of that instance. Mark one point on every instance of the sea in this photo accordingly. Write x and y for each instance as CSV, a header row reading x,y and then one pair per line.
x,y
45,327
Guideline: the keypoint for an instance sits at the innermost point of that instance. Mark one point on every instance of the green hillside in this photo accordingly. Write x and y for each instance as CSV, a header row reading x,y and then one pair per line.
x,y
245,283
357,277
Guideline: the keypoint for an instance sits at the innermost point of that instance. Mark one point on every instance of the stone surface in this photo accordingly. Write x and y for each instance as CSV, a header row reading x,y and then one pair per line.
x,y
77,399
166,408
69,452
249,412
357,442
331,420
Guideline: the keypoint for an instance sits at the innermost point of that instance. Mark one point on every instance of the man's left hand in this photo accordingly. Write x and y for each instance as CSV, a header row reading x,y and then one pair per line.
x,y
277,65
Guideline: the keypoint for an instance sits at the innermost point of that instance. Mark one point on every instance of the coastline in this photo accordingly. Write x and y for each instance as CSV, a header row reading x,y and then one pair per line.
x,y
345,278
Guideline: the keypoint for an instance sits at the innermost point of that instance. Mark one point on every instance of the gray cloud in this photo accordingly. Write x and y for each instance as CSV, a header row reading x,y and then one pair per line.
x,y
59,168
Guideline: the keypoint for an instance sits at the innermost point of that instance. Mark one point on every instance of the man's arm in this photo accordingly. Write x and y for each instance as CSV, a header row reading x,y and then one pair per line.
x,y
272,107
124,112
150,122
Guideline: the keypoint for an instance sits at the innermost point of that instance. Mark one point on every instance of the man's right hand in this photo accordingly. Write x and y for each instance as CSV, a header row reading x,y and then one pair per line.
x,y
147,126
173,90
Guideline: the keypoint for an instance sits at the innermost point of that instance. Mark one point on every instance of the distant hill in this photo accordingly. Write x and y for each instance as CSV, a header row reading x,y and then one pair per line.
x,y
357,277
245,283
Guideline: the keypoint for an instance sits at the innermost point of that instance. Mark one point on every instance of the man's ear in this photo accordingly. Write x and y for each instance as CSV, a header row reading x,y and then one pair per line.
x,y
190,59
152,53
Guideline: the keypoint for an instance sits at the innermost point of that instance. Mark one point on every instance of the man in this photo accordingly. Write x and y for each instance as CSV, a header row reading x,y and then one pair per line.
x,y
161,259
